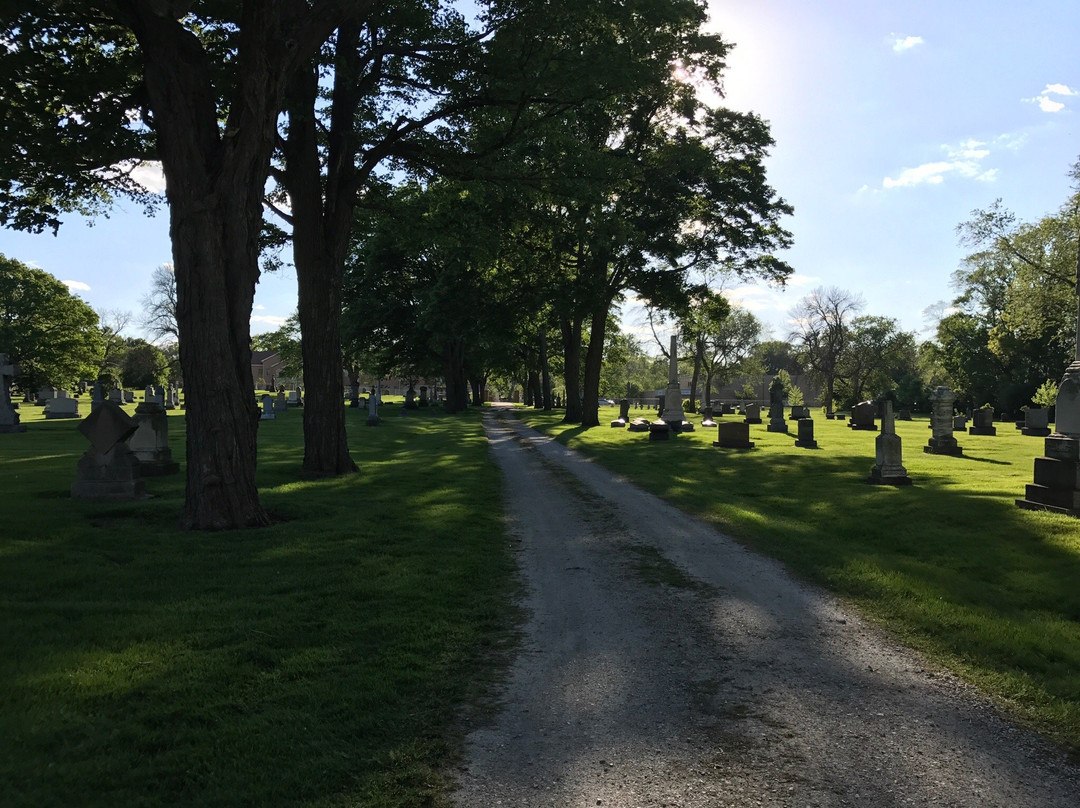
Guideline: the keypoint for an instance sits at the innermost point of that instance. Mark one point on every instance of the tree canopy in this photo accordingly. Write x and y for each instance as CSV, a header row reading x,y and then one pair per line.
x,y
52,335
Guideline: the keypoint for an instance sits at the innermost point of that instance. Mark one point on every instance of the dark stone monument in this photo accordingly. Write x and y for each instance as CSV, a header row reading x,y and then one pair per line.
x,y
733,435
806,434
372,410
424,401
1036,422
410,399
753,413
624,414
267,402
862,416
660,430
777,423
982,422
707,417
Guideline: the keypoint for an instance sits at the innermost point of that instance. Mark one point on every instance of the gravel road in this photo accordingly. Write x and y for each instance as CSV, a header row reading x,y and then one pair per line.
x,y
664,665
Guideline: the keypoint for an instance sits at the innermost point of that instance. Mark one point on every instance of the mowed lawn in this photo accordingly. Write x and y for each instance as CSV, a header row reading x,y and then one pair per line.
x,y
949,564
324,661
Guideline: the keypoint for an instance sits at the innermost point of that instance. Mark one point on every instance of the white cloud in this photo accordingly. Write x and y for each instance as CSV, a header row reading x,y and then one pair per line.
x,y
905,43
1059,89
148,174
964,160
259,307
1048,104
266,319
76,286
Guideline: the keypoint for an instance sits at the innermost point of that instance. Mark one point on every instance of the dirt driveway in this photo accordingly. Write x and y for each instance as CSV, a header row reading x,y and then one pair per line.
x,y
664,665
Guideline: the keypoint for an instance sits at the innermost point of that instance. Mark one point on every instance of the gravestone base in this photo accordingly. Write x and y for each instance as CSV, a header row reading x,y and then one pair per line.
x,y
638,425
777,427
618,423
1037,432
1057,478
752,421
862,427
6,429
879,477
113,475
982,430
944,446
660,430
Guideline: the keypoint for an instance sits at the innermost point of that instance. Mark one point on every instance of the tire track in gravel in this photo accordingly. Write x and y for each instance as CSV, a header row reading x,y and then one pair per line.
x,y
664,665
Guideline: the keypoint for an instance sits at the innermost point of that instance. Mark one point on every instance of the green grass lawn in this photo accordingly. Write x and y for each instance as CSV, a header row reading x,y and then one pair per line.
x,y
949,564
323,661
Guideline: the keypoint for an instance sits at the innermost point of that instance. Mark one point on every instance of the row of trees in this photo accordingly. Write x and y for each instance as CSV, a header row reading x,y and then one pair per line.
x,y
502,181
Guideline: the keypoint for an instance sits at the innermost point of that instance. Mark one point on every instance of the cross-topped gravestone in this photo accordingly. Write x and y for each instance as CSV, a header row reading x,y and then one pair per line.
x,y
9,416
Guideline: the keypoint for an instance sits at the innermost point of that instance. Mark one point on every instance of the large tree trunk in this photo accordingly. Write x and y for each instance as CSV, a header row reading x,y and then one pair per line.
x,y
699,351
457,386
214,189
594,361
571,337
545,372
320,241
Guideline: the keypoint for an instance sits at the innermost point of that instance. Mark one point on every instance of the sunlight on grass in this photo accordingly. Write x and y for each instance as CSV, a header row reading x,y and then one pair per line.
x,y
318,661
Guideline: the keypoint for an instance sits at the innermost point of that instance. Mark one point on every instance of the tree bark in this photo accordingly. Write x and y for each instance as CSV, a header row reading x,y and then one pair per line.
x,y
545,372
571,337
594,361
214,189
457,386
320,240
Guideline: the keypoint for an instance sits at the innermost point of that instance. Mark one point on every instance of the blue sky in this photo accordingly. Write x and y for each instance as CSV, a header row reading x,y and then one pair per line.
x,y
892,121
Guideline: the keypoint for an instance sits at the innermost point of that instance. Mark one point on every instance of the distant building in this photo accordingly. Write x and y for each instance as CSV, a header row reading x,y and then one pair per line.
x,y
266,367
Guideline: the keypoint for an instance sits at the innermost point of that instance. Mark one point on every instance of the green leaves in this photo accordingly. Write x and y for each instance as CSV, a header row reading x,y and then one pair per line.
x,y
52,335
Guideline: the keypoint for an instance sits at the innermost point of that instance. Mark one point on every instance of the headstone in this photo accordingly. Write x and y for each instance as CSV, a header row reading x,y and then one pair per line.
x,y
129,396
424,401
108,469
116,395
733,435
1036,422
660,430
638,425
45,395
624,414
798,412
97,396
267,402
903,415
806,434
373,410
62,408
707,417
888,468
410,399
753,413
673,414
294,399
1057,475
281,404
777,423
862,416
150,441
959,423
172,398
9,416
942,423
982,422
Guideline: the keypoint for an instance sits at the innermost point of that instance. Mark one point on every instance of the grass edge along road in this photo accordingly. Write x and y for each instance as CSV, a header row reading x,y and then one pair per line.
x,y
949,565
323,661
